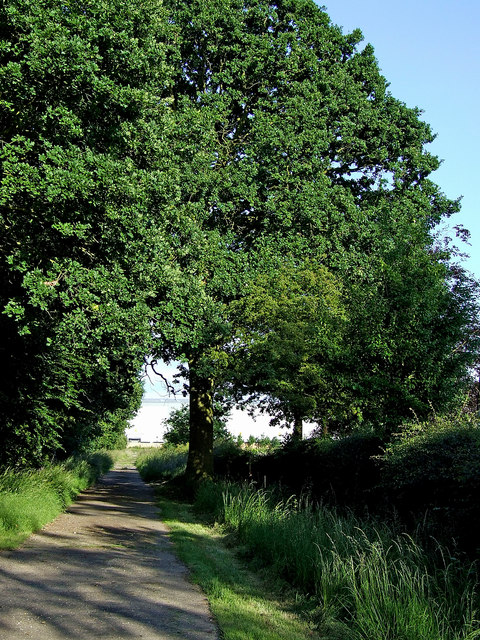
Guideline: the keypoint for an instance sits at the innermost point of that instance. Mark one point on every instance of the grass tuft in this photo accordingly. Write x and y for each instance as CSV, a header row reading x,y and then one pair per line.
x,y
380,585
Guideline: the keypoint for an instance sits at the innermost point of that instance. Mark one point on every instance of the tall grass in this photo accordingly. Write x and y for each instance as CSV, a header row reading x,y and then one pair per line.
x,y
31,498
376,584
162,464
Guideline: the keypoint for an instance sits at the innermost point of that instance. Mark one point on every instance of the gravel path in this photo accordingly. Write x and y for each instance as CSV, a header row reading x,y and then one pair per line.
x,y
104,569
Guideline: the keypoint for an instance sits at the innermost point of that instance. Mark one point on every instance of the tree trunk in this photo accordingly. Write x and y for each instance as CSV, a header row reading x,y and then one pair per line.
x,y
200,454
325,429
297,433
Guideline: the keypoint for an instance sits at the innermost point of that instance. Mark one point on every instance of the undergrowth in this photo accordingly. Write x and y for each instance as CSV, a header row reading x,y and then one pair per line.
x,y
357,578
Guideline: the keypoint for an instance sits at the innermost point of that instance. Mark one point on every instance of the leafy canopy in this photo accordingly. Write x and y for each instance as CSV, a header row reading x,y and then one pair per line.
x,y
80,158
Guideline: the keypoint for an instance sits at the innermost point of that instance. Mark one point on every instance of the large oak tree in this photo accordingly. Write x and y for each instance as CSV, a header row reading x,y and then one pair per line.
x,y
235,180
292,152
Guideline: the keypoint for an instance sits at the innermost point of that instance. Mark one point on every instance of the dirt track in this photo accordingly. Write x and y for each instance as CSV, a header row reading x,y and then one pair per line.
x,y
105,569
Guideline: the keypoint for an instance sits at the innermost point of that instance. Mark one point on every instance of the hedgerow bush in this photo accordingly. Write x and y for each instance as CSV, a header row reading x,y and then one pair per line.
x,y
341,472
428,474
433,468
238,460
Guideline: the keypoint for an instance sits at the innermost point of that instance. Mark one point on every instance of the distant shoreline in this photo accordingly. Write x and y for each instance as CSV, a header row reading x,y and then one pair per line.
x,y
164,400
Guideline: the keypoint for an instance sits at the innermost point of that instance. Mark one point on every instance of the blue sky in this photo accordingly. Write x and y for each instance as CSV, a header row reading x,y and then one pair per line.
x,y
428,52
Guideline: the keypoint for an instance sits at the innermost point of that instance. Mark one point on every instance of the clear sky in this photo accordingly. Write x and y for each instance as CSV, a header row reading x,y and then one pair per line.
x,y
428,52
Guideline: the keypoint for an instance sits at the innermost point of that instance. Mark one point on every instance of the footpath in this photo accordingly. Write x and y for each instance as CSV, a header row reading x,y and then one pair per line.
x,y
105,570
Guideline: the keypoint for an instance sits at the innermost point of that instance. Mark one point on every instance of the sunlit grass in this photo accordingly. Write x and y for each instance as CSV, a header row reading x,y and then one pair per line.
x,y
164,463
31,498
125,458
245,608
376,584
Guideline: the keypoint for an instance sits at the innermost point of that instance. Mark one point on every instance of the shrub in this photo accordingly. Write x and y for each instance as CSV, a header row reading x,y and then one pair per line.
x,y
343,471
178,427
236,459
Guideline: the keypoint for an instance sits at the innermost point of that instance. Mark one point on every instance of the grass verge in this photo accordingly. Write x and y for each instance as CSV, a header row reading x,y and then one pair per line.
x,y
358,579
244,605
164,463
31,498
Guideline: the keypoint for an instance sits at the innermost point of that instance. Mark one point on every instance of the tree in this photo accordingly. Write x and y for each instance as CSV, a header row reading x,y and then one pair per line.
x,y
81,159
292,152
414,333
164,166
288,346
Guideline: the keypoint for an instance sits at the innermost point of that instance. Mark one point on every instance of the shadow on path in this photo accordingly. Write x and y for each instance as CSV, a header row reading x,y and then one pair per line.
x,y
104,569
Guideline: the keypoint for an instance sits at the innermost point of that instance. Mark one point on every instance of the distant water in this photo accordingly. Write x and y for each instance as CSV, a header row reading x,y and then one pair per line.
x,y
157,405
148,425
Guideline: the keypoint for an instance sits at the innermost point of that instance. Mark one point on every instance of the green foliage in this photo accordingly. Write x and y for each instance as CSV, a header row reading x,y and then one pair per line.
x,y
342,471
242,460
80,159
263,444
289,318
226,184
428,474
178,426
434,466
304,268
415,331
444,448
30,499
